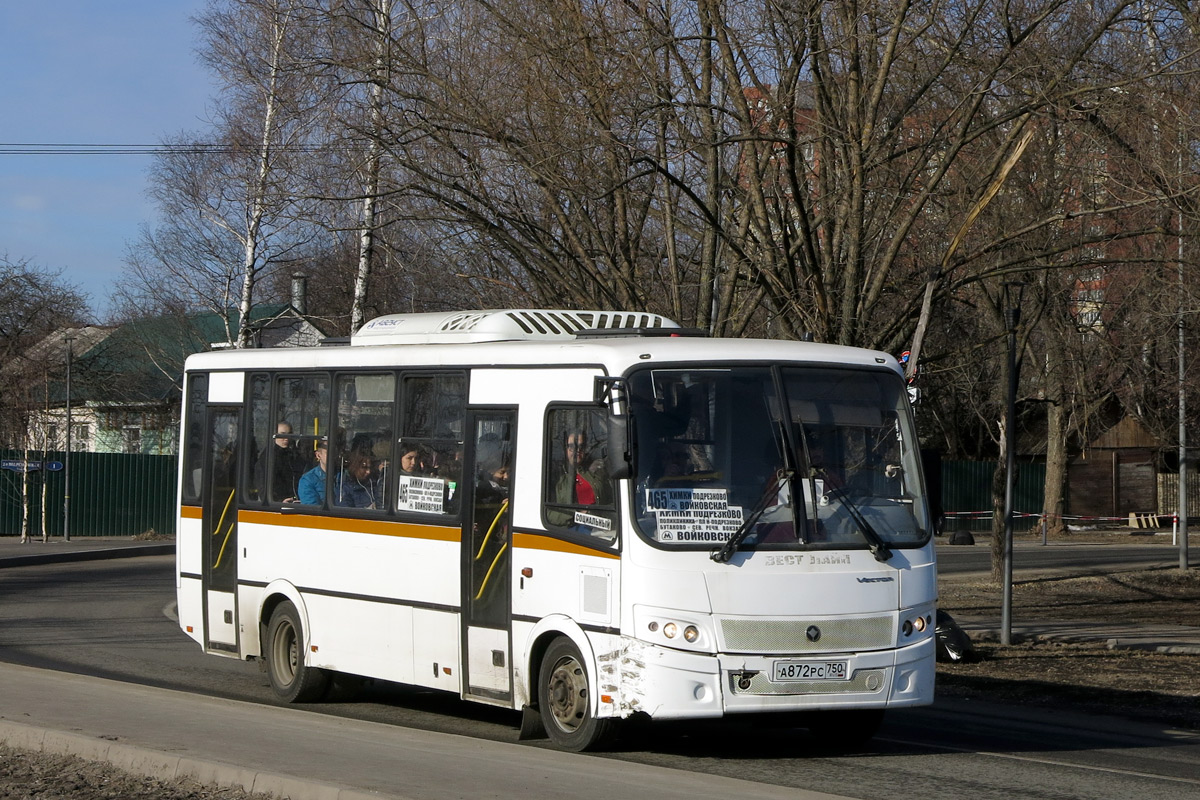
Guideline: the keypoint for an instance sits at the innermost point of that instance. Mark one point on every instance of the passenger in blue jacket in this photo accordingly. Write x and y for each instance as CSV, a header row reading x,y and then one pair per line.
x,y
357,486
311,488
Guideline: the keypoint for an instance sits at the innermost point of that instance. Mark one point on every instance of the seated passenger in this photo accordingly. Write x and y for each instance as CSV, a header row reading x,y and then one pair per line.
x,y
412,461
311,489
580,484
356,486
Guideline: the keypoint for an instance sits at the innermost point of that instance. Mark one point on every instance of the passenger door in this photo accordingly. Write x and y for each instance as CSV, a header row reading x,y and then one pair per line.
x,y
219,505
487,572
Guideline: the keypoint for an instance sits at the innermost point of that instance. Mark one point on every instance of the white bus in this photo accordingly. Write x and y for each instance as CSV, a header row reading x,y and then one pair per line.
x,y
581,515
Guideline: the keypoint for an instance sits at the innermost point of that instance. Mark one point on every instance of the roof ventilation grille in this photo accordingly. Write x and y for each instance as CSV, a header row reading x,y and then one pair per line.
x,y
506,325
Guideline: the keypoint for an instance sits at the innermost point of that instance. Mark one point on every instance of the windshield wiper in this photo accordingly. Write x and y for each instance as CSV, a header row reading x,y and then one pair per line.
x,y
875,542
783,477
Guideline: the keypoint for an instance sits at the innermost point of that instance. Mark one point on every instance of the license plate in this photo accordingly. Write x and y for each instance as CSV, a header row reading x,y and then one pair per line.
x,y
783,671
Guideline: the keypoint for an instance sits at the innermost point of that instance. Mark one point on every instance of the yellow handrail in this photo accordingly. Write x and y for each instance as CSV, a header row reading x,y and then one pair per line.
x,y
491,569
228,533
224,511
221,554
492,527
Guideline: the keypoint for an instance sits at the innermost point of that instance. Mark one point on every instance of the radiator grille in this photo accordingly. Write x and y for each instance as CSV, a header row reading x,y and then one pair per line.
x,y
791,636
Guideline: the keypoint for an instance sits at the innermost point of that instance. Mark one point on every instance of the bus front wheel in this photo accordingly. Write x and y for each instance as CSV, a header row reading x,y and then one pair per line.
x,y
565,700
292,680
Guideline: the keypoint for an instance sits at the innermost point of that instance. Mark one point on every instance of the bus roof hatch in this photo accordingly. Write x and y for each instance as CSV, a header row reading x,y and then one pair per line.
x,y
502,325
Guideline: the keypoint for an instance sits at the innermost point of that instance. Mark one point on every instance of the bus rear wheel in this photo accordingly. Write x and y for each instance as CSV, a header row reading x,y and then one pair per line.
x,y
292,680
565,700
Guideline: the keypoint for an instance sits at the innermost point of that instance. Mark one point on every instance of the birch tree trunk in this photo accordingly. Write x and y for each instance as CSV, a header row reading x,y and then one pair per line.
x,y
257,195
379,76
25,497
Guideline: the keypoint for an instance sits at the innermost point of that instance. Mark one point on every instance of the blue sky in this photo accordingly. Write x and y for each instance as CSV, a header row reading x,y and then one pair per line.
x,y
90,72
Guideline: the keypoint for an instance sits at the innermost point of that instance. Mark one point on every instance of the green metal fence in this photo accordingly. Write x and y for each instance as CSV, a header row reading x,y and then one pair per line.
x,y
111,494
967,494
124,495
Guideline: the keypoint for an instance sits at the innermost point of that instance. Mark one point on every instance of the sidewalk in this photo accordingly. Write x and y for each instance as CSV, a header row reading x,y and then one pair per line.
x,y
81,548
1161,638
304,755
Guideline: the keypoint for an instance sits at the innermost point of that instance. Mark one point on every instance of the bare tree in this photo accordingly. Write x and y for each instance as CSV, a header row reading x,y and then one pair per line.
x,y
231,212
34,302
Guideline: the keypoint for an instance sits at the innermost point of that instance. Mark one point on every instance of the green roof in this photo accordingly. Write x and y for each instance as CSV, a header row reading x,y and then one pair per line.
x,y
142,361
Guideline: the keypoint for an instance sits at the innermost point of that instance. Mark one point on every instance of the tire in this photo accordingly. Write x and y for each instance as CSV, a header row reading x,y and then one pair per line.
x,y
292,680
844,730
565,701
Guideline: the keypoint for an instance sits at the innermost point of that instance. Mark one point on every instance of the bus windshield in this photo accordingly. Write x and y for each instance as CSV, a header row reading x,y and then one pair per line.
x,y
791,457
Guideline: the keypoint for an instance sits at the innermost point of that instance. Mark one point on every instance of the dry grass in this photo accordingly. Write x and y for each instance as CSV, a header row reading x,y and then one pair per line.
x,y
1134,683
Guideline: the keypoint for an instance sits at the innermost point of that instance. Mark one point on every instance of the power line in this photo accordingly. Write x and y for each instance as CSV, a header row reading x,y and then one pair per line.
x,y
87,149
92,149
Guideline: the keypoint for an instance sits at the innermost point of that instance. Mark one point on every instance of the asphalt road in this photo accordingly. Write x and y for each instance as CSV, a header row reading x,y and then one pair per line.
x,y
109,619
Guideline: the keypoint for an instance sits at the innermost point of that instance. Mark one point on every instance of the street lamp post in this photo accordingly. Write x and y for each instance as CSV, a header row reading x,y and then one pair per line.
x,y
1012,295
67,454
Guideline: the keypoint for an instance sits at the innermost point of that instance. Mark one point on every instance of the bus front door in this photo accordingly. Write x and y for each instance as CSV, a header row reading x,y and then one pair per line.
x,y
219,528
487,578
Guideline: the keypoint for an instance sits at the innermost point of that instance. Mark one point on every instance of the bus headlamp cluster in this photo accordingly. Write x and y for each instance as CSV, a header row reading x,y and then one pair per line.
x,y
916,625
671,630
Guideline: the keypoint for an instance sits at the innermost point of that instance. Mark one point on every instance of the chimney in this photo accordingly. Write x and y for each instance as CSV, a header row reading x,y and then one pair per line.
x,y
300,293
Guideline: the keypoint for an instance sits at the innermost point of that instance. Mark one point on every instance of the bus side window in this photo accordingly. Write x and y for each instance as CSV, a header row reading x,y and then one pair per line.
x,y
193,437
299,419
259,427
362,455
578,493
432,426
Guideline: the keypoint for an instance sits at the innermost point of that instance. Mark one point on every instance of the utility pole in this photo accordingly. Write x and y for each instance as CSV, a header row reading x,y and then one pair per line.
x,y
67,454
1183,498
1011,296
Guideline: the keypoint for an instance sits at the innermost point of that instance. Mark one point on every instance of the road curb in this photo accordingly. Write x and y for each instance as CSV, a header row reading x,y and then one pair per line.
x,y
99,554
1152,642
166,767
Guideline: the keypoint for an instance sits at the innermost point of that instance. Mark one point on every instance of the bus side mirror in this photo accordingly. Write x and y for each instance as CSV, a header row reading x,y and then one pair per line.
x,y
606,389
619,456
611,392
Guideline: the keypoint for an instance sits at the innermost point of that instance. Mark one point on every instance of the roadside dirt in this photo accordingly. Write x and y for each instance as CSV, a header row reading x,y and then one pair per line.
x,y
25,775
1083,677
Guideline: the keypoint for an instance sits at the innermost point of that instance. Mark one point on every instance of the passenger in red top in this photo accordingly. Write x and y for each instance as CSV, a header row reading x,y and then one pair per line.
x,y
579,484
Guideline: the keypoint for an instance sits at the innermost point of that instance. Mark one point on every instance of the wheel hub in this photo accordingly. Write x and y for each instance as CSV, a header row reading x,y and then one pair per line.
x,y
568,694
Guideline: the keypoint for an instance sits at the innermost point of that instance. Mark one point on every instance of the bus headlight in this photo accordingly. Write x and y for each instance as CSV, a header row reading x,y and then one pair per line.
x,y
675,629
915,623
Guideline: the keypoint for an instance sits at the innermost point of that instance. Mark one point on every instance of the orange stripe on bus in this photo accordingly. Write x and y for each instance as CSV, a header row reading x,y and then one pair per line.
x,y
524,541
535,541
377,527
